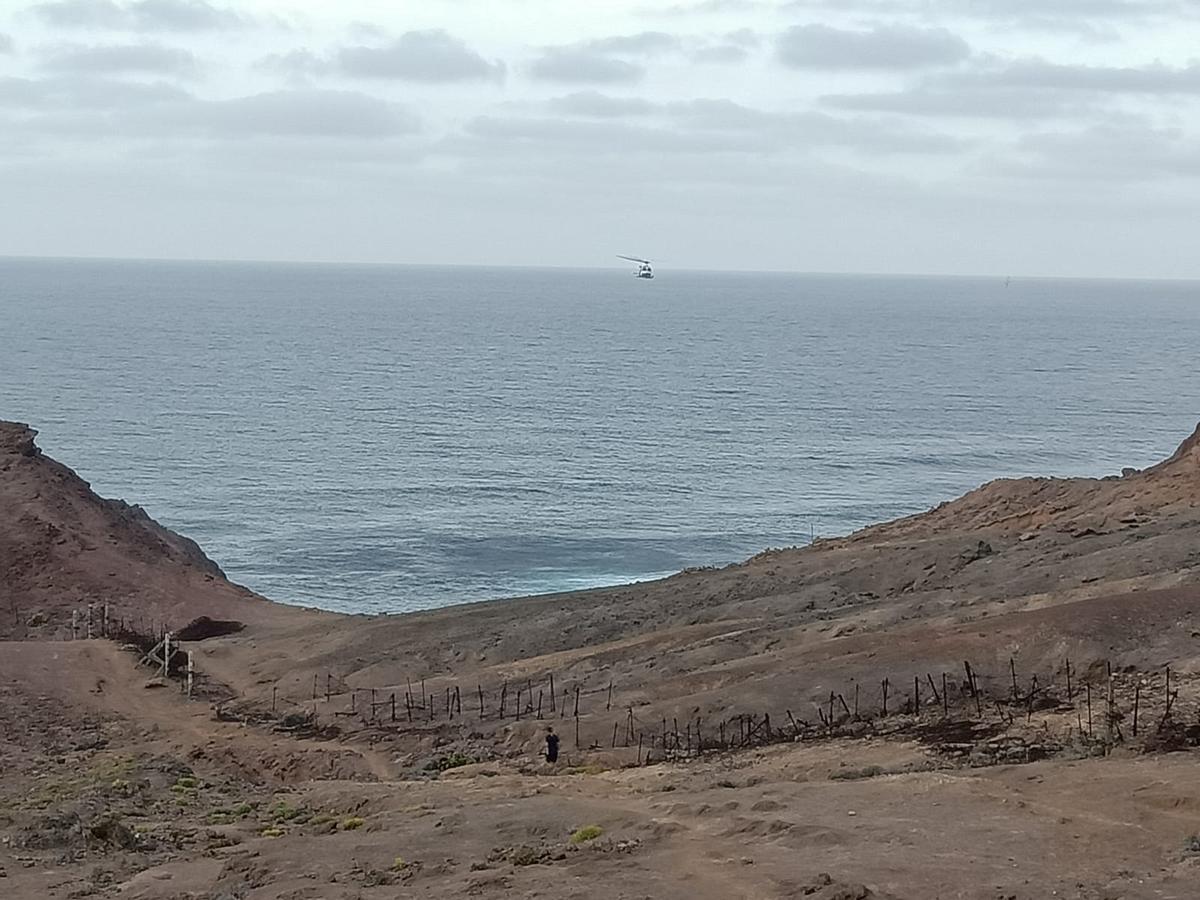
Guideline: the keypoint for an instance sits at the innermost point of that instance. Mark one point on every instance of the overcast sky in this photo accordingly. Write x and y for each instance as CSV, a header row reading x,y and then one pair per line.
x,y
1057,137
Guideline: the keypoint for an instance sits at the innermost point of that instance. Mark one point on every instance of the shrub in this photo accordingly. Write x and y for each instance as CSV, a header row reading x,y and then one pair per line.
x,y
856,774
453,761
350,823
586,833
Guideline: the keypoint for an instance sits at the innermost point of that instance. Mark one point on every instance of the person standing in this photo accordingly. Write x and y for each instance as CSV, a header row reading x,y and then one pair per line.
x,y
551,745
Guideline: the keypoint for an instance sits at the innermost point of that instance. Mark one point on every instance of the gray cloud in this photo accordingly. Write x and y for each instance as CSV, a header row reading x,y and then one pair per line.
x,y
6,44
1038,73
881,47
601,106
579,65
1025,89
426,56
647,43
1130,151
706,125
298,113
600,61
152,59
75,93
721,53
141,15
295,64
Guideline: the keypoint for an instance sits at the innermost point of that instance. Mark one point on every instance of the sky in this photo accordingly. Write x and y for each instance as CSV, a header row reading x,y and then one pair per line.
x,y
990,137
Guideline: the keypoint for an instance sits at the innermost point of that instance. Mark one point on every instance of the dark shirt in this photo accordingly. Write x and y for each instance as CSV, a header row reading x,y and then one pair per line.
x,y
552,748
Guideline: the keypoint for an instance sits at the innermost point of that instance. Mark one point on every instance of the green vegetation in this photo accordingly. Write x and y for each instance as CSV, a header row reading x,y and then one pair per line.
x,y
453,761
350,823
586,833
856,774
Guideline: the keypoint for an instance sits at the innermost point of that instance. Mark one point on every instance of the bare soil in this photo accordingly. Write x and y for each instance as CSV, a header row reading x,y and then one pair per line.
x,y
279,779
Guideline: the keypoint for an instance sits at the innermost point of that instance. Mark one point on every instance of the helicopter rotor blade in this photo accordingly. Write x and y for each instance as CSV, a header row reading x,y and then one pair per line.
x,y
644,262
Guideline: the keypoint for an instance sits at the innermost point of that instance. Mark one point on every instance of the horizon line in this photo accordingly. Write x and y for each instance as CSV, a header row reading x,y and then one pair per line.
x,y
579,268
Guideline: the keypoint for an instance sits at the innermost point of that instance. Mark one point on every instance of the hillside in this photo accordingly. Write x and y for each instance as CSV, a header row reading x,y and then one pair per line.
x,y
62,547
989,659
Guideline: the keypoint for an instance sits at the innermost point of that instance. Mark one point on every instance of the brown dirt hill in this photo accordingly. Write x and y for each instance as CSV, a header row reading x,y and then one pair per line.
x,y
62,547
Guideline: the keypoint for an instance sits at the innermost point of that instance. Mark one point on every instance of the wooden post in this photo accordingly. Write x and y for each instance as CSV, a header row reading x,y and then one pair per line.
x,y
831,699
449,708
314,696
845,708
553,701
1137,698
1170,698
408,705
885,693
937,698
916,695
479,687
353,700
519,704
539,706
1088,685
373,705
166,644
795,727
945,697
609,704
639,743
614,740
577,701
1070,691
856,700
274,691
503,697
104,622
393,706
424,702
89,621
191,670
458,700
1012,665
577,733
74,624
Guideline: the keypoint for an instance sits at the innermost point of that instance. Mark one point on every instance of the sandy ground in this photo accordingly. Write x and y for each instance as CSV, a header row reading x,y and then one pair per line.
x,y
112,783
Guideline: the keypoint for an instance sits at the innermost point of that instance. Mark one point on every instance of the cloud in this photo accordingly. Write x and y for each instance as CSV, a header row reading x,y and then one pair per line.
x,y
6,43
424,56
1038,73
298,64
999,103
579,65
1024,89
152,59
298,113
1114,152
721,53
75,92
141,15
647,43
601,106
704,125
881,47
602,60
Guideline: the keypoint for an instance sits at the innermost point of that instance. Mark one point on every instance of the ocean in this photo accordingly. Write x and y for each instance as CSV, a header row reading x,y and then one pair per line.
x,y
389,438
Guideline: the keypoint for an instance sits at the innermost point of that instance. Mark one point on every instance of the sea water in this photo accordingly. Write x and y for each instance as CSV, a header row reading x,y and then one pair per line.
x,y
372,438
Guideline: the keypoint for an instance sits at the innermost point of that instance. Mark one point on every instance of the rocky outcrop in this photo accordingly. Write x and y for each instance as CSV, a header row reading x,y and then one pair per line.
x,y
63,547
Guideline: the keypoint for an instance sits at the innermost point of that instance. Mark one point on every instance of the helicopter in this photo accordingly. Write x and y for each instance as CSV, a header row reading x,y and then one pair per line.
x,y
644,269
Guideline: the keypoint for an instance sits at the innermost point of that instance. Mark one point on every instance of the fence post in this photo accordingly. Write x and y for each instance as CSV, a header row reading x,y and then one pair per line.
x,y
166,660
191,668
89,621
74,624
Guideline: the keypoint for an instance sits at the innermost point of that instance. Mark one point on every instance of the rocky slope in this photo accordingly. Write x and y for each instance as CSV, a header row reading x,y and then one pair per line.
x,y
62,547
